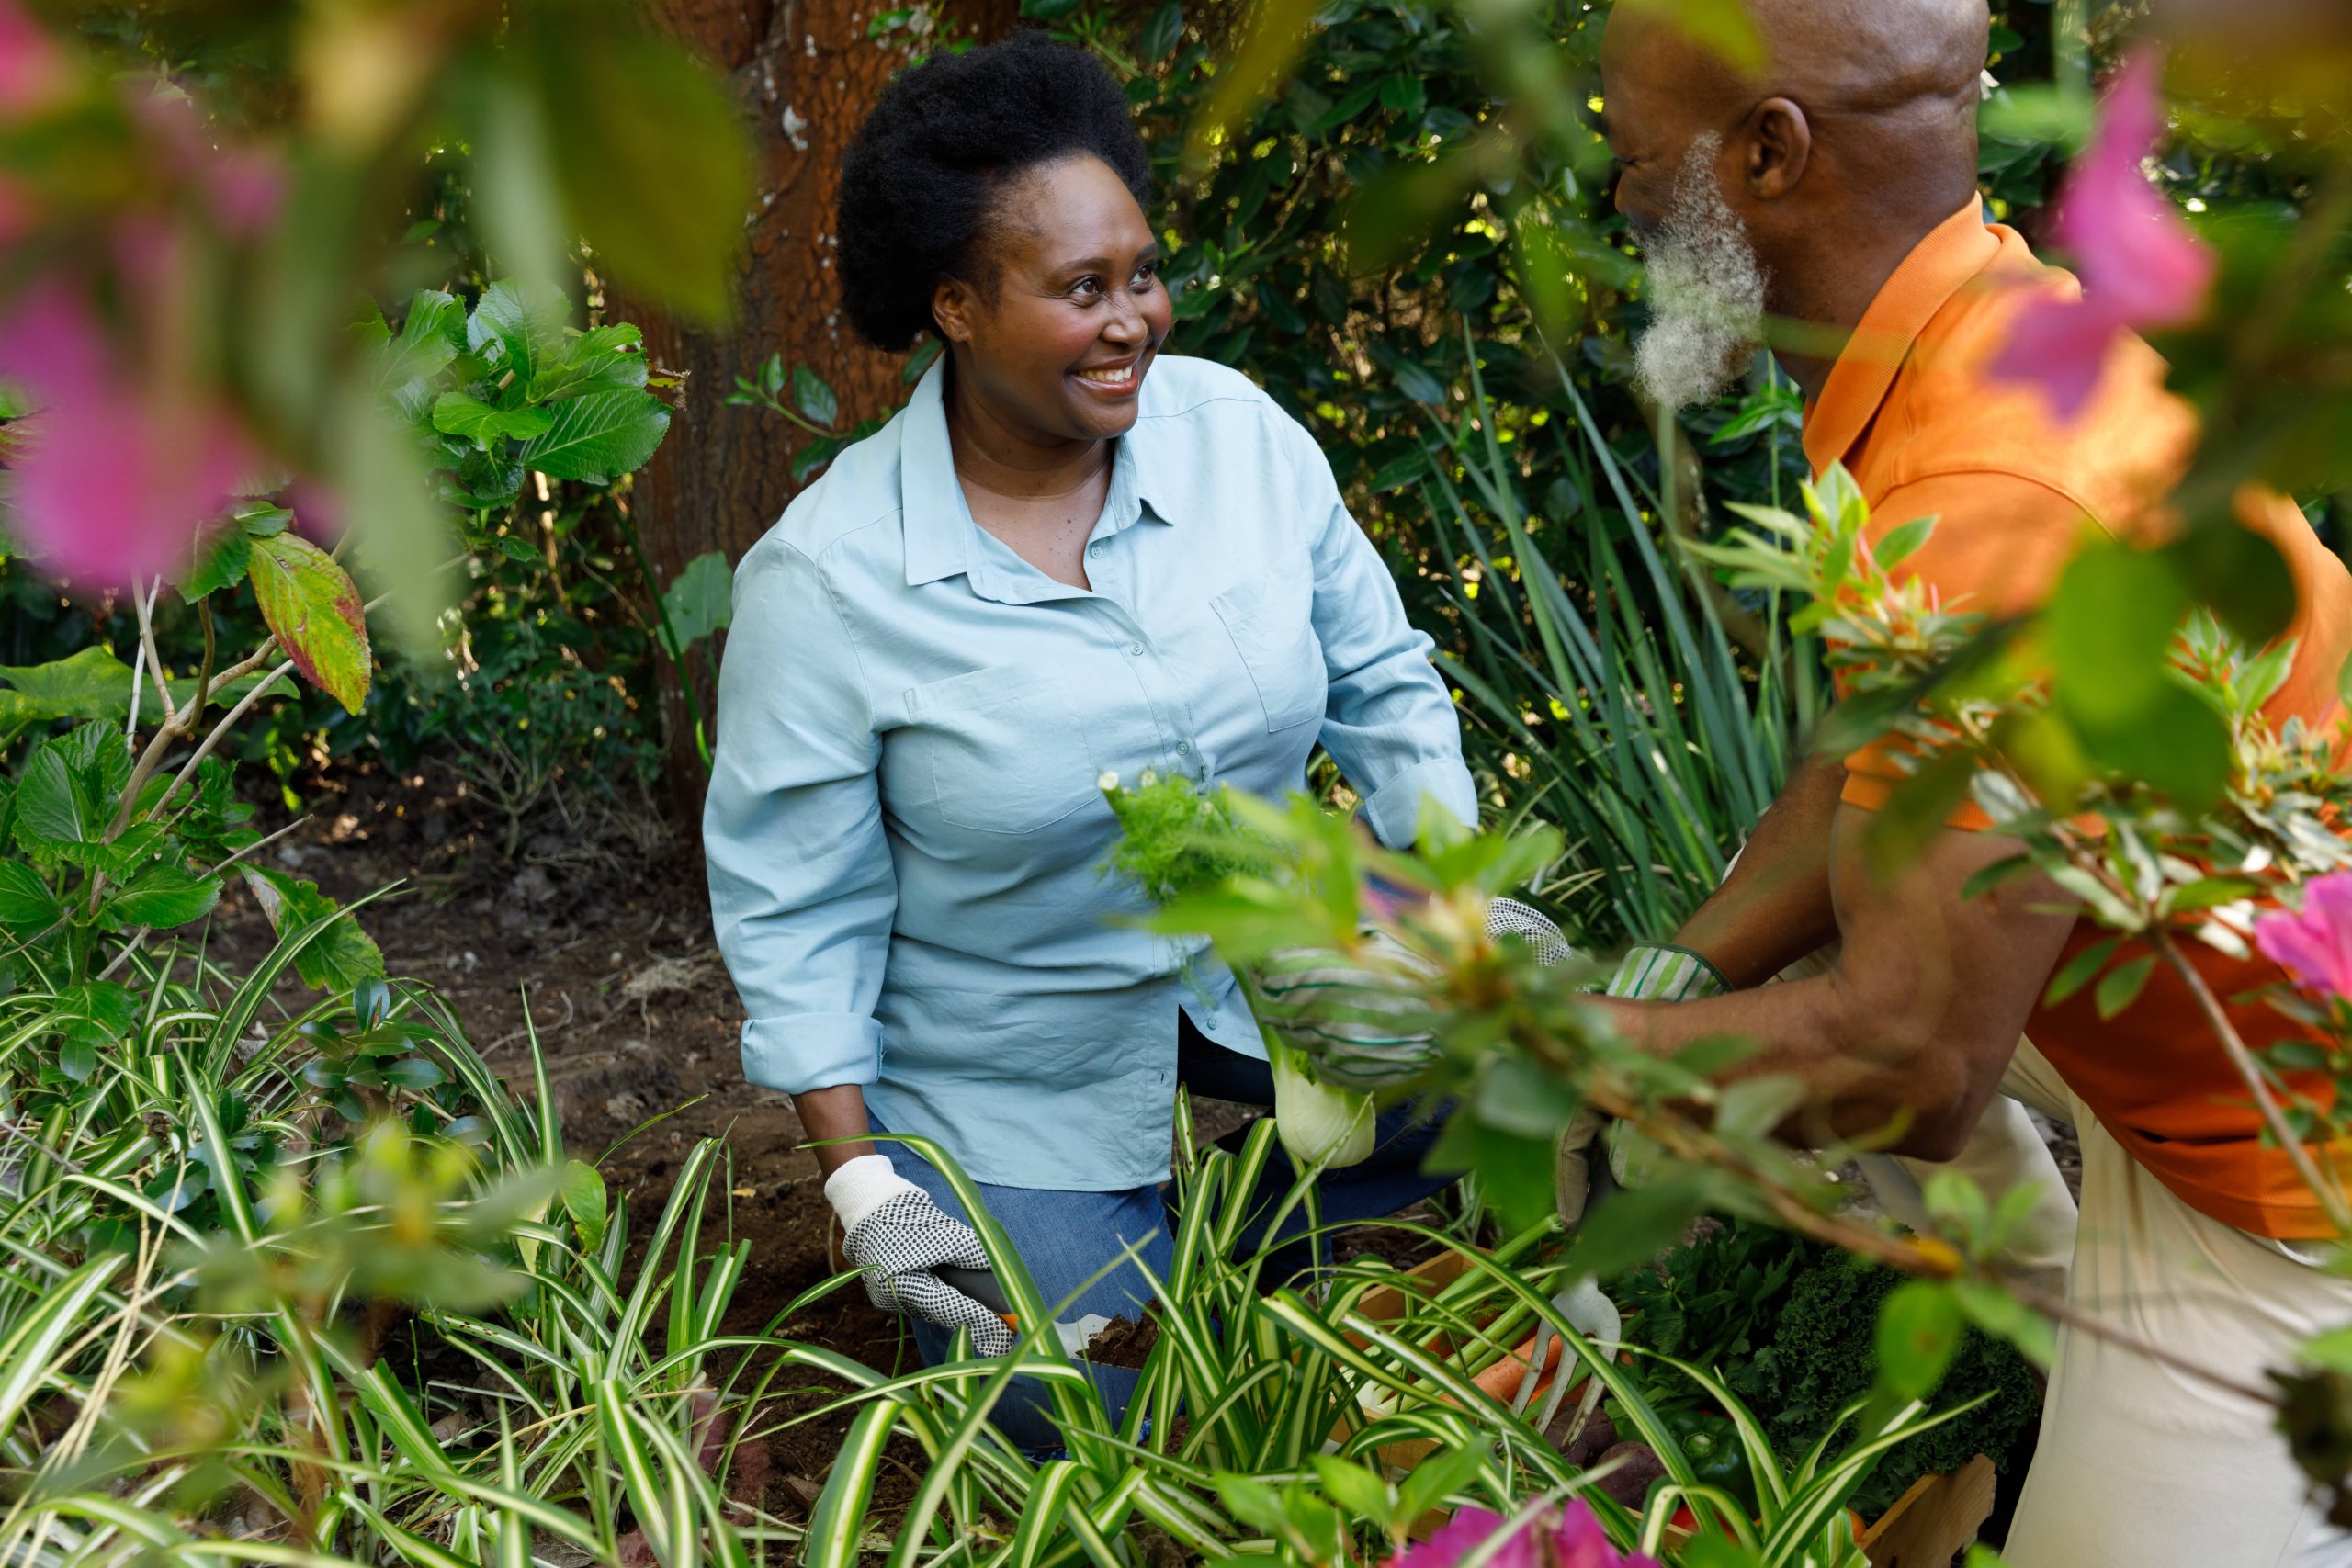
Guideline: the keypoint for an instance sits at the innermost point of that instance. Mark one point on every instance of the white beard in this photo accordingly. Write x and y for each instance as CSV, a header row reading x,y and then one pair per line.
x,y
1707,292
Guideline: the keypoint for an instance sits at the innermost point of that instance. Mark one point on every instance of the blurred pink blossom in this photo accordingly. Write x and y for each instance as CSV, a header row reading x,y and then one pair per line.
x,y
242,185
2314,946
111,479
2139,264
32,68
1561,1538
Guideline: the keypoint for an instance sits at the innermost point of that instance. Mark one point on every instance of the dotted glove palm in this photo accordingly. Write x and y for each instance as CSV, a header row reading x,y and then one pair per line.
x,y
898,1237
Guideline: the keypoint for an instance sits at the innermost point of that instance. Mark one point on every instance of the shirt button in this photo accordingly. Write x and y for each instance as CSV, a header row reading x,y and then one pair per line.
x,y
1183,747
1134,651
1095,550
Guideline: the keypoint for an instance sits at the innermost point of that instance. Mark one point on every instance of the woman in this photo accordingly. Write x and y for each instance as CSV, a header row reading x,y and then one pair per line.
x,y
1068,555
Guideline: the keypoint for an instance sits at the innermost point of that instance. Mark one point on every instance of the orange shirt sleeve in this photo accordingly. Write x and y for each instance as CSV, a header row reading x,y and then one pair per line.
x,y
1999,543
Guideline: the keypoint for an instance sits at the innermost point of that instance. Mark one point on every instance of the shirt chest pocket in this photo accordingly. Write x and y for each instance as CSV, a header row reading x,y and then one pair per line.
x,y
1269,622
997,750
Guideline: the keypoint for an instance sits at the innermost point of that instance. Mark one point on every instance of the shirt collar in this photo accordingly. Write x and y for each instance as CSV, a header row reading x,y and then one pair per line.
x,y
937,521
1938,266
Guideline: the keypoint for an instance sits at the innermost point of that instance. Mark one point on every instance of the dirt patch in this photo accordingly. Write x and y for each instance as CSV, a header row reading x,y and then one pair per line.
x,y
1125,1342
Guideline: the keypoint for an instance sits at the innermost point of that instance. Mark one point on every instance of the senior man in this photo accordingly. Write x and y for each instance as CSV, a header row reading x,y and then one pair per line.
x,y
1833,189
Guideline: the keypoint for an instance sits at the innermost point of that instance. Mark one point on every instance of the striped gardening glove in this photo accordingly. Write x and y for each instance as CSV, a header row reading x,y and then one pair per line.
x,y
1656,973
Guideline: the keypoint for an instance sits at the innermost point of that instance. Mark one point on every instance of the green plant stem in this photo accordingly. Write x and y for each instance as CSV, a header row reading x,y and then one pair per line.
x,y
668,634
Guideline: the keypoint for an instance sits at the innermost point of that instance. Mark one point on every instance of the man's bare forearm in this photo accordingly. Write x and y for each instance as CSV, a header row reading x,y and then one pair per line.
x,y
1775,907
835,1112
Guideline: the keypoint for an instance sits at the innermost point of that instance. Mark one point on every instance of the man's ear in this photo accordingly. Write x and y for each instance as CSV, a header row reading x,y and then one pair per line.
x,y
953,304
1780,148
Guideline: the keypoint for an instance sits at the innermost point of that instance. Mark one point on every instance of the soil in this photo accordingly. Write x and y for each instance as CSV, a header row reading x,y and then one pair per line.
x,y
1124,1342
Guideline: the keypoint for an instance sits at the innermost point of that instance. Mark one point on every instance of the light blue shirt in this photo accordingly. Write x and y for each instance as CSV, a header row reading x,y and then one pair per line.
x,y
905,831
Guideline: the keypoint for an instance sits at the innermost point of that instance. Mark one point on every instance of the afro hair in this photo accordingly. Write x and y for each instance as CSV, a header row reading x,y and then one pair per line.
x,y
917,182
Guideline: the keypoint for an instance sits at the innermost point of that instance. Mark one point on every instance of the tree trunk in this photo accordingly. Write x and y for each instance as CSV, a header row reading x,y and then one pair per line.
x,y
805,72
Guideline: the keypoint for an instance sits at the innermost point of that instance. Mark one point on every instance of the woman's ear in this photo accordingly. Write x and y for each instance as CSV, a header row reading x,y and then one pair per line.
x,y
953,304
1780,148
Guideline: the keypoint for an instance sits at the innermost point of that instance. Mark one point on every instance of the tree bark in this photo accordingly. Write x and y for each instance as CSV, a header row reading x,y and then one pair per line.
x,y
806,73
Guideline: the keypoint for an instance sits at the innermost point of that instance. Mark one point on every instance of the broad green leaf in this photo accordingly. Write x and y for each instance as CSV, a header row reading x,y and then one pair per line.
x,y
699,600
598,360
89,683
458,413
2109,628
2076,971
340,956
526,326
815,455
1638,1223
598,437
163,895
651,156
52,807
813,397
220,562
25,899
2002,1316
313,606
1161,34
2121,985
584,1197
1918,1331
2177,743
1902,543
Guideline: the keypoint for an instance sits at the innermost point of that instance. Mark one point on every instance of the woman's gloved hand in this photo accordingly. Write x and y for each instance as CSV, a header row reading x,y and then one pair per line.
x,y
898,1237
1649,972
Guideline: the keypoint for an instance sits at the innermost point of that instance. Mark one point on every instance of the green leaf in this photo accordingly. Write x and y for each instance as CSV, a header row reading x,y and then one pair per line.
x,y
2077,971
650,153
2240,574
220,563
599,437
163,895
813,397
2177,743
1418,384
1161,33
2120,987
700,600
1918,1331
459,413
341,957
2109,629
414,1073
584,1197
1717,1551
25,901
1638,1223
1355,1488
525,326
313,606
90,682
2003,1316
52,807
815,455
1902,543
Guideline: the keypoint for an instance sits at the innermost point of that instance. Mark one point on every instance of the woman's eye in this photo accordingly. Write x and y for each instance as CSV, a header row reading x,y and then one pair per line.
x,y
1147,274
1087,287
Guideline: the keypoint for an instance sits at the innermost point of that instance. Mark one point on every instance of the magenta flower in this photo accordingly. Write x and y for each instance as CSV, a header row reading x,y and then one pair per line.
x,y
2314,946
109,479
33,72
1559,1538
2139,264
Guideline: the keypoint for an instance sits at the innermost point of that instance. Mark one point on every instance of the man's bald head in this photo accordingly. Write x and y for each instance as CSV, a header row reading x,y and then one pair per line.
x,y
1841,129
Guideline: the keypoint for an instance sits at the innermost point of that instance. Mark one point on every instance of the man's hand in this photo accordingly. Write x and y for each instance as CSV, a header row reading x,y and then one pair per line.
x,y
1915,1024
898,1237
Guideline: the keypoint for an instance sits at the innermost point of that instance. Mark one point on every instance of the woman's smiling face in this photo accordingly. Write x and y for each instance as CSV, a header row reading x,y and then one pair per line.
x,y
1056,332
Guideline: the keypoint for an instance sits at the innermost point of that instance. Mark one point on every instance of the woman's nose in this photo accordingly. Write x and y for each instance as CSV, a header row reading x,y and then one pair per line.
x,y
1125,325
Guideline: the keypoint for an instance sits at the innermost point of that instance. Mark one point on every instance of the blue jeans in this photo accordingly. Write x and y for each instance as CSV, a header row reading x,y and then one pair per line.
x,y
1065,1238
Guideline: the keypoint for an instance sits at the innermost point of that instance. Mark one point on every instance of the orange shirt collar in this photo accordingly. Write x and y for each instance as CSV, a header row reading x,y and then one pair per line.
x,y
1953,252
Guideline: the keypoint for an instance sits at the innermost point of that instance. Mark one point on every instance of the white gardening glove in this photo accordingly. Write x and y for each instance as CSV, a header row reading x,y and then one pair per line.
x,y
1652,971
1358,1017
897,1236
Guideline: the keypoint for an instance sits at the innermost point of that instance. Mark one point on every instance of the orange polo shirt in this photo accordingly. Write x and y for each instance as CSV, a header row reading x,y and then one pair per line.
x,y
1909,411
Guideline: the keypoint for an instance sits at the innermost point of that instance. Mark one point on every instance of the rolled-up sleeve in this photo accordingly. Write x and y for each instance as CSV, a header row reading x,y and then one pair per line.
x,y
1389,721
801,889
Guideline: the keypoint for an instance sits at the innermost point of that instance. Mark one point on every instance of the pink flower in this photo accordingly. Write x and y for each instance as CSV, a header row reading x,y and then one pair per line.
x,y
2139,264
1560,1538
243,187
33,72
109,479
2314,946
